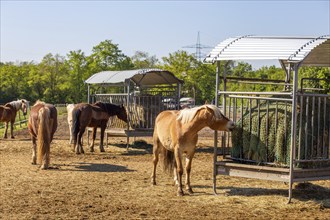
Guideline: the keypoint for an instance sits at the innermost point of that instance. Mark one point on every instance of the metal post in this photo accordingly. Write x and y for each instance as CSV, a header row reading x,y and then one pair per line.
x,y
215,154
128,110
88,94
293,127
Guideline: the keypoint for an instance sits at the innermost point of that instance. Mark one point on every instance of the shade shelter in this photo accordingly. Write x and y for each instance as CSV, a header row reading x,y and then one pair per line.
x,y
304,112
146,93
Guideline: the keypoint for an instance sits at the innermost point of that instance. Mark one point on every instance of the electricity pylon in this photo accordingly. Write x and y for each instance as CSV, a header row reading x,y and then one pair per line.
x,y
198,46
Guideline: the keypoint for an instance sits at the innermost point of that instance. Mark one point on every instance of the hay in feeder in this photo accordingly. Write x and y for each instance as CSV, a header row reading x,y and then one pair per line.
x,y
263,134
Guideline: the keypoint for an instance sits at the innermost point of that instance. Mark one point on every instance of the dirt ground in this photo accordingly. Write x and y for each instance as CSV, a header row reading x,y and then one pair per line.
x,y
116,185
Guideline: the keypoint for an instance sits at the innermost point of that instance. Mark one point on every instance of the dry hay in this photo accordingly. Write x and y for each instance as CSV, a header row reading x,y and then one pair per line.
x,y
255,140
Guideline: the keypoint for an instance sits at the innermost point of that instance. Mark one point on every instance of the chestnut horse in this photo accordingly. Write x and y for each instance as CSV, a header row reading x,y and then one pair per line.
x,y
93,115
8,114
176,132
42,126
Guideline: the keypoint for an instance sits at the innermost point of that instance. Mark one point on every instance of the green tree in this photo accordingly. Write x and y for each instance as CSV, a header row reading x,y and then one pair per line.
x,y
78,73
199,78
142,60
107,56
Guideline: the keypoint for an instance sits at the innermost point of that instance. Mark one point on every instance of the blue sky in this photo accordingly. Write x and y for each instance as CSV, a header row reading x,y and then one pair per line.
x,y
31,29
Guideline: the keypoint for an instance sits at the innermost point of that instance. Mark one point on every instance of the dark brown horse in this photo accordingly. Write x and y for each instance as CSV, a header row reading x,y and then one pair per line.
x,y
176,132
93,115
8,114
42,126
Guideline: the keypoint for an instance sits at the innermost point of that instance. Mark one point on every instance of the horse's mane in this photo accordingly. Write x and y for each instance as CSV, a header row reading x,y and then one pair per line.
x,y
187,115
39,102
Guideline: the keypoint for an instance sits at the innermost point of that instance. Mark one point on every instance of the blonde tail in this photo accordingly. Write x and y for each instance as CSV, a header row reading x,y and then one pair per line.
x,y
44,136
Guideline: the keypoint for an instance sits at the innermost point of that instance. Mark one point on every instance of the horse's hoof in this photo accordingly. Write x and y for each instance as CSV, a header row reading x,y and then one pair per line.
x,y
44,167
190,192
180,193
12,137
102,150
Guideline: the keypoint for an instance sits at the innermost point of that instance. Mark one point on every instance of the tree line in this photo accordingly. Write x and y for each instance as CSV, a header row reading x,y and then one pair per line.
x,y
60,79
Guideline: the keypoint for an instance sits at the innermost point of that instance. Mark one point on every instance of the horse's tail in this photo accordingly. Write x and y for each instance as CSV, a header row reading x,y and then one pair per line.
x,y
44,135
168,160
75,124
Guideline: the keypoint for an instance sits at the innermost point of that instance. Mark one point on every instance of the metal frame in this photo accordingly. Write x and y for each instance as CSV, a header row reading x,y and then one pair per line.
x,y
291,174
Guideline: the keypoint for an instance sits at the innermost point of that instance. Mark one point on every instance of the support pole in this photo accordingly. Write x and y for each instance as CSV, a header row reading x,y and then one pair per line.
x,y
128,111
215,153
293,128
88,94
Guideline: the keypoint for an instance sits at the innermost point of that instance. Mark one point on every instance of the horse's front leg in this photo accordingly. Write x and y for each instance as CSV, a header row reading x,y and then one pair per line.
x,y
34,151
102,137
188,169
91,147
178,156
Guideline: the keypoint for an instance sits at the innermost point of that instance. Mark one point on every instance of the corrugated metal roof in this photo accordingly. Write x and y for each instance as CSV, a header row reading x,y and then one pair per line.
x,y
313,51
140,77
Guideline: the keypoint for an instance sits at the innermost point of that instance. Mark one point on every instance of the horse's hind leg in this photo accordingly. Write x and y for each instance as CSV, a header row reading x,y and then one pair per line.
x,y
103,126
188,169
91,147
34,151
12,129
6,130
156,150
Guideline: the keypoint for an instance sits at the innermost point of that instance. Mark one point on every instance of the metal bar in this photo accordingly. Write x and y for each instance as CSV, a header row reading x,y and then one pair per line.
x,y
215,136
258,128
313,160
241,147
313,119
300,125
260,98
318,150
306,127
293,128
313,95
256,93
324,127
267,129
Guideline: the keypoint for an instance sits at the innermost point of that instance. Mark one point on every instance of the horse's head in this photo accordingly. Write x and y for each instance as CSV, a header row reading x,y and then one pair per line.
x,y
122,114
24,106
218,121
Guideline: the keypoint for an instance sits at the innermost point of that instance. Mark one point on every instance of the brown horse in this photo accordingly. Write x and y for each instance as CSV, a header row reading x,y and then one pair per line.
x,y
93,115
176,132
42,126
8,114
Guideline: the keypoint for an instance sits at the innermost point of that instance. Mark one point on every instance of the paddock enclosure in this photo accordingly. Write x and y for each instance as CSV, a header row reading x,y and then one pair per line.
x,y
115,184
144,93
283,134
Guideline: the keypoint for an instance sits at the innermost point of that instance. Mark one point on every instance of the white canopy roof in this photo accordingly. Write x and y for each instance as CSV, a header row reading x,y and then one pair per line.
x,y
140,77
313,51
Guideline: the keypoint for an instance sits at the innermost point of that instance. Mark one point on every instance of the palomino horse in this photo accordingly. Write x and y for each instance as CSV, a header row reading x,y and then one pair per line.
x,y
42,126
93,115
69,109
176,132
8,114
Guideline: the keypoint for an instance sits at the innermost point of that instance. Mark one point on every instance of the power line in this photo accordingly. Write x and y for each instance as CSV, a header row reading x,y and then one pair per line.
x,y
198,46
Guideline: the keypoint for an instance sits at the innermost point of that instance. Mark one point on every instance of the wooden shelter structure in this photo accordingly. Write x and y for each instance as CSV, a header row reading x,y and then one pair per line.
x,y
306,112
144,93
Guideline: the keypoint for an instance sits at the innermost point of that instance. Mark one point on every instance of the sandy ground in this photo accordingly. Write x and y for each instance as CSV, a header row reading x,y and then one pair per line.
x,y
116,185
